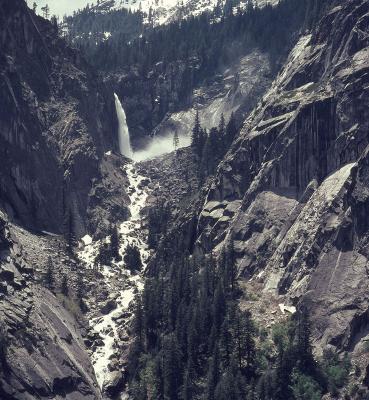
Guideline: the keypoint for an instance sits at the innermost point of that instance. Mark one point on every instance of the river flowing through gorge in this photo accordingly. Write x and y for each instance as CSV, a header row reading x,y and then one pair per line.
x,y
123,284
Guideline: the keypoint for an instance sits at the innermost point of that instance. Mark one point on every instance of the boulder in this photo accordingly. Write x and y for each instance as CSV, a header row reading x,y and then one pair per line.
x,y
114,385
108,307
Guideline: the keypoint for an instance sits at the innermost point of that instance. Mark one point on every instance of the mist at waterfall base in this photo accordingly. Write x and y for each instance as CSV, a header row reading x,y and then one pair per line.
x,y
160,145
157,146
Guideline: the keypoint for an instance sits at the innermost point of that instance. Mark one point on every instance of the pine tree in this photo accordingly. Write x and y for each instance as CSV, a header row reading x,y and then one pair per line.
x,y
138,323
114,244
231,131
81,288
245,343
203,135
104,255
65,286
70,233
195,137
225,341
54,21
221,128
219,306
304,352
206,153
132,258
171,368
188,387
227,386
230,267
49,276
175,140
4,343
46,11
213,376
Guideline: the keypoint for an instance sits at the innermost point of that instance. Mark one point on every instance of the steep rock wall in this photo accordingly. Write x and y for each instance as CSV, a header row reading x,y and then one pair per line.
x,y
56,121
292,191
42,351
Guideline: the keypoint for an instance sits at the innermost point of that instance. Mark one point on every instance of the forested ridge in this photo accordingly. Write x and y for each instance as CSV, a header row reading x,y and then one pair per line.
x,y
213,39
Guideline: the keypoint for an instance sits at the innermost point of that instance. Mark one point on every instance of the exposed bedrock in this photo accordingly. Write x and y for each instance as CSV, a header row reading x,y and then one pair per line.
x,y
292,192
42,351
56,121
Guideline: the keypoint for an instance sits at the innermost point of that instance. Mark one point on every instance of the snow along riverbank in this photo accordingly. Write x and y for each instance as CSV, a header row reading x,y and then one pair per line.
x,y
121,283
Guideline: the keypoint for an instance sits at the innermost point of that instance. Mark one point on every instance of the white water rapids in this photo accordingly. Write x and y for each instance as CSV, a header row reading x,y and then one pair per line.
x,y
121,284
131,233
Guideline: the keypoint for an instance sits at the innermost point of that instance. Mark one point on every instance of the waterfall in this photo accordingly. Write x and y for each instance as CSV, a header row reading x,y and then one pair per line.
x,y
123,132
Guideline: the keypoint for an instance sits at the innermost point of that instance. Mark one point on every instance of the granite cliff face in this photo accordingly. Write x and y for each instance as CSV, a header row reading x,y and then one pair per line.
x,y
56,121
166,98
42,351
292,192
57,167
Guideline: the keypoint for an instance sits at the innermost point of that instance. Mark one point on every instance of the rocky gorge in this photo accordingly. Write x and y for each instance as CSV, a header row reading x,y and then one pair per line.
x,y
290,196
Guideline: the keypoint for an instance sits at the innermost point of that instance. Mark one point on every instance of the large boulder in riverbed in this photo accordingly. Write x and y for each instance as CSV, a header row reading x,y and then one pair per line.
x,y
108,307
114,385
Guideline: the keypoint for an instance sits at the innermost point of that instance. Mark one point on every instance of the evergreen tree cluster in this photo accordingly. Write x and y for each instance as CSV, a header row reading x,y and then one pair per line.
x,y
109,251
192,341
132,258
158,219
189,329
210,147
213,39
89,27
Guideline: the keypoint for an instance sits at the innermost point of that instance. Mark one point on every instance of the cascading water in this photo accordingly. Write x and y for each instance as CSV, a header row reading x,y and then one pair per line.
x,y
122,284
123,131
155,147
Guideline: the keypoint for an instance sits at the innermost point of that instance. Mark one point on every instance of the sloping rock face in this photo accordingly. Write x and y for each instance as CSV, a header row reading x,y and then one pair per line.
x,y
296,181
108,198
166,98
236,90
56,120
42,352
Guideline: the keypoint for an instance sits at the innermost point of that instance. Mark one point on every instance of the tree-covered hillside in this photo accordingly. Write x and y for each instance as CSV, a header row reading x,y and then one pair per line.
x,y
118,39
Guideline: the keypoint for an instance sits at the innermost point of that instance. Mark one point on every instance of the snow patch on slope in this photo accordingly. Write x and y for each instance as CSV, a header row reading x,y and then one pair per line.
x,y
164,11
